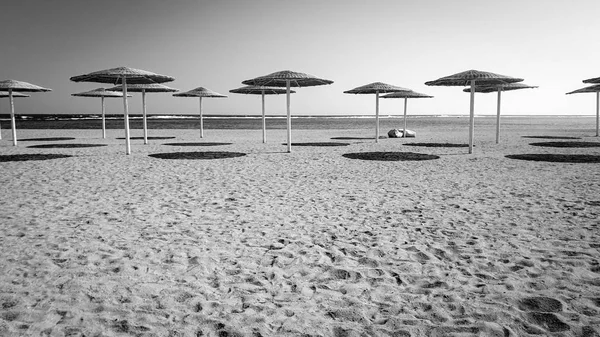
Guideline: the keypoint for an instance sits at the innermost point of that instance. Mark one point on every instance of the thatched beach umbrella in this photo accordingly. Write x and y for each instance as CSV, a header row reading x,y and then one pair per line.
x,y
473,78
257,90
500,89
406,95
102,93
287,79
123,75
14,95
10,85
144,88
200,92
596,89
376,88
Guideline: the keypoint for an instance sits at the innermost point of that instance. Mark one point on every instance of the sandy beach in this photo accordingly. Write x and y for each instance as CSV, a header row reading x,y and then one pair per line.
x,y
308,243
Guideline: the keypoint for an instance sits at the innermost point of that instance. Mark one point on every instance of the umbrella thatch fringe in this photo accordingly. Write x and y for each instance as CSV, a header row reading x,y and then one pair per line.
x,y
151,87
503,87
21,86
200,92
375,87
481,78
259,90
115,76
281,78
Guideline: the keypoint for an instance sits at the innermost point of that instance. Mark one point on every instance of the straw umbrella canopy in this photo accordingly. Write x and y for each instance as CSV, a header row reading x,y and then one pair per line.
x,y
596,89
595,80
102,93
258,90
287,79
376,88
123,76
473,78
406,95
144,88
500,88
200,92
10,85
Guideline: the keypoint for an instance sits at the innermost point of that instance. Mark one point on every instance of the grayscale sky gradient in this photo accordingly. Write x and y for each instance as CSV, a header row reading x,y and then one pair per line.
x,y
218,44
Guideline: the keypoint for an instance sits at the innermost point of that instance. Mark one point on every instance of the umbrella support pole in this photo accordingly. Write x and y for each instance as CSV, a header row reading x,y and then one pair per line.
x,y
13,123
201,119
597,113
144,117
404,131
498,116
264,123
126,116
103,120
289,116
472,117
377,117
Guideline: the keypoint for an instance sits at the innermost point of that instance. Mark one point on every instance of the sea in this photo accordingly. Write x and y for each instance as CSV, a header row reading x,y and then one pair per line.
x,y
253,122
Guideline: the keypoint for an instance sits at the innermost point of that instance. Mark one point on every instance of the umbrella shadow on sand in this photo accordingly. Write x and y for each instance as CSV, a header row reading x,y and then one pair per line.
x,y
551,137
437,144
390,156
196,144
352,138
325,144
51,139
64,146
27,157
149,138
198,155
567,144
556,158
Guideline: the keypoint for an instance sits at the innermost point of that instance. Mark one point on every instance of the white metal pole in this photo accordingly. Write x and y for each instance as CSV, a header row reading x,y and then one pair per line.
x,y
126,116
405,103
597,112
498,116
377,117
289,116
144,116
103,120
201,120
472,117
13,123
264,123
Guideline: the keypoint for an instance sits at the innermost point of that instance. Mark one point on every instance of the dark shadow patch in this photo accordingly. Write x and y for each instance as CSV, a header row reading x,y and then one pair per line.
x,y
149,138
26,157
556,158
390,156
352,138
438,145
567,144
541,303
64,146
319,144
51,139
197,155
548,321
551,137
196,144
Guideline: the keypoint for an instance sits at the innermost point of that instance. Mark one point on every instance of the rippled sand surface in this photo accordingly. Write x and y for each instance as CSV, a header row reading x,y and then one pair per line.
x,y
241,238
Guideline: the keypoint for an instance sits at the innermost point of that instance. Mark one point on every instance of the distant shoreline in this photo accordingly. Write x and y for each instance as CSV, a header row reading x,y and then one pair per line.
x,y
50,117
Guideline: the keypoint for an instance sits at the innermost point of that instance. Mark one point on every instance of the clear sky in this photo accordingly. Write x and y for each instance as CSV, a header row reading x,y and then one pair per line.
x,y
217,44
